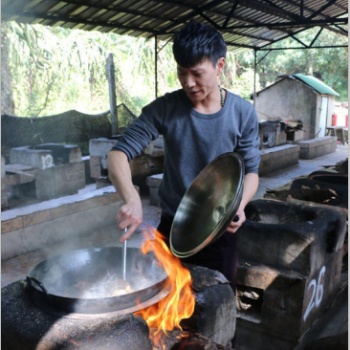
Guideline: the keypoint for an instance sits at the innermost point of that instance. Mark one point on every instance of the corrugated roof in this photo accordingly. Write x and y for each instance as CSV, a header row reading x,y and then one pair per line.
x,y
316,84
254,24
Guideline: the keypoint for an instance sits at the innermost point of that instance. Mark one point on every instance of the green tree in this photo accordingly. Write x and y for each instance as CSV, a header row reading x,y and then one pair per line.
x,y
328,64
49,70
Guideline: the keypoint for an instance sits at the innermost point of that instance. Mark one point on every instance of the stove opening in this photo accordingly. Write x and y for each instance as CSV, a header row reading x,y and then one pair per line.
x,y
249,303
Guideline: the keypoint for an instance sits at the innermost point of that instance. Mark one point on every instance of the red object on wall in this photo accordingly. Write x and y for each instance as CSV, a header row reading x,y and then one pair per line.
x,y
334,119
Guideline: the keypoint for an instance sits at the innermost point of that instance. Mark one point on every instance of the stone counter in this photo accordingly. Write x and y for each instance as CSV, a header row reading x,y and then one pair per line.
x,y
67,218
320,146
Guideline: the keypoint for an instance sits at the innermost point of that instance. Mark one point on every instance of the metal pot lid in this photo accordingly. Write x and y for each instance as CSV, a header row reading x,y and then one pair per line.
x,y
208,206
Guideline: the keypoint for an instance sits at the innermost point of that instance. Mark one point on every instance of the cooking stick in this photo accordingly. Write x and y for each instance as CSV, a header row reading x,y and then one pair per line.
x,y
124,258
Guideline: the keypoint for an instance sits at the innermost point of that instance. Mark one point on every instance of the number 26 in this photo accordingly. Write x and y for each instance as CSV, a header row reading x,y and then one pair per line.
x,y
317,293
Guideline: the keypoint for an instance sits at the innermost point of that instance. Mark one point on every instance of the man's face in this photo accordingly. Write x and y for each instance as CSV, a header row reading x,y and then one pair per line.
x,y
200,80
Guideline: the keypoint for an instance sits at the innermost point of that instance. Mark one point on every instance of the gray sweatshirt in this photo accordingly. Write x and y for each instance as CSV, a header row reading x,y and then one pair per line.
x,y
192,140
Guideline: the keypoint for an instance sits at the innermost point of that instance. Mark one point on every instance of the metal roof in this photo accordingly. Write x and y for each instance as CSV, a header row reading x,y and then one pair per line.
x,y
254,24
319,86
316,84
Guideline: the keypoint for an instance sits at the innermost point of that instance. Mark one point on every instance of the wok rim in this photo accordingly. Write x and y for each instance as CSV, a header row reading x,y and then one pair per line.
x,y
92,305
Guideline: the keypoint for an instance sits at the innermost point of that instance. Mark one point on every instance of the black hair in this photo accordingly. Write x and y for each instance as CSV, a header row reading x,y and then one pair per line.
x,y
196,42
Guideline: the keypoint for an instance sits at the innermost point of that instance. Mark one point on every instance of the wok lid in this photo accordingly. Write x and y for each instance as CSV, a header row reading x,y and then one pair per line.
x,y
91,280
208,206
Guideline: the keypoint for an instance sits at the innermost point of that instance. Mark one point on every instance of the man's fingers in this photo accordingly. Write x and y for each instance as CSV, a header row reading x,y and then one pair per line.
x,y
123,213
128,232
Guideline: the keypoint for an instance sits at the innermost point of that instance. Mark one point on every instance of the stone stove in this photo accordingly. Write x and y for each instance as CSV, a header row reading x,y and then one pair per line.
x,y
44,171
324,187
149,162
290,262
26,326
272,133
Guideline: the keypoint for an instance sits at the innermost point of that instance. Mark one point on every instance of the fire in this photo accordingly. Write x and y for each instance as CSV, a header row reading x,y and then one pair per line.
x,y
179,304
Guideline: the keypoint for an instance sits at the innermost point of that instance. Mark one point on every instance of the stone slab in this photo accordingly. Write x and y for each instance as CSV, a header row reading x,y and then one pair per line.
x,y
276,158
3,167
41,159
320,146
153,183
66,219
60,180
62,153
101,146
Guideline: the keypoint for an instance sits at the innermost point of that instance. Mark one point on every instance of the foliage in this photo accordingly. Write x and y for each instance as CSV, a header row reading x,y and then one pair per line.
x,y
55,69
328,64
51,70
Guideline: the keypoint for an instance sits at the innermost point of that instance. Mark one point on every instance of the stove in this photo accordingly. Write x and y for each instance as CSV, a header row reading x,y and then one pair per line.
x,y
27,325
53,169
290,266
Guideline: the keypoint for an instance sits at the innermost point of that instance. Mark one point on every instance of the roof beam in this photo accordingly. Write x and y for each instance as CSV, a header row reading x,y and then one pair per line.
x,y
270,8
253,24
40,16
305,23
322,8
301,48
233,8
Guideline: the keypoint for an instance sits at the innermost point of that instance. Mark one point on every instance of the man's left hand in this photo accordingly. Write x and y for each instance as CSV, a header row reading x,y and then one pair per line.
x,y
236,224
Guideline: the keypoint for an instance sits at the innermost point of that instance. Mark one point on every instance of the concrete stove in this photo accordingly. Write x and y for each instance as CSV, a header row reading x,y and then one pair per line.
x,y
290,260
47,171
25,326
149,162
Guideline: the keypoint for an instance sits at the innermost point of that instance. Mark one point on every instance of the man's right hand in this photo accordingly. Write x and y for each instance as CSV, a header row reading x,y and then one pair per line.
x,y
129,217
130,214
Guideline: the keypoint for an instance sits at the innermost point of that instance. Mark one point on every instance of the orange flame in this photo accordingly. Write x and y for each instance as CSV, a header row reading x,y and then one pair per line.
x,y
179,303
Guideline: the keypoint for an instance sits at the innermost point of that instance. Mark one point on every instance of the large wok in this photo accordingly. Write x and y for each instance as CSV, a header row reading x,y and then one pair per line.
x,y
91,280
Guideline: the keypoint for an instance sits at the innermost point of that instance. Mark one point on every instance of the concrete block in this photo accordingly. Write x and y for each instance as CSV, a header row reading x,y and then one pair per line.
x,y
74,153
17,174
41,159
95,167
153,183
12,224
36,218
101,146
3,172
296,135
150,161
66,222
4,197
62,153
60,180
277,158
290,236
313,148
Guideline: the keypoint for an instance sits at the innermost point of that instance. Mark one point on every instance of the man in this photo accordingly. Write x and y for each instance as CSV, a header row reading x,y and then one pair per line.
x,y
198,123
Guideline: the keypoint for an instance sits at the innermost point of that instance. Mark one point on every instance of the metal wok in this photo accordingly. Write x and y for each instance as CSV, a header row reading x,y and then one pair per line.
x,y
91,280
208,206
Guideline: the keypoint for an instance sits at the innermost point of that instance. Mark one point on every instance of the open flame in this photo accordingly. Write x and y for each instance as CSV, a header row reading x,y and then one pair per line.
x,y
179,304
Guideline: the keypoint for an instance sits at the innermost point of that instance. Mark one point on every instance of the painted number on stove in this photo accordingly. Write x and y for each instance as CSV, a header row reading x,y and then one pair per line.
x,y
316,288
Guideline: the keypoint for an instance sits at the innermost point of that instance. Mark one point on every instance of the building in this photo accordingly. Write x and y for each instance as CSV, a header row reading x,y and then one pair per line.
x,y
298,97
